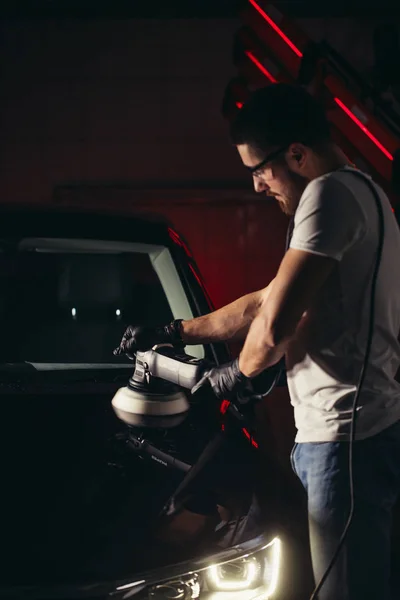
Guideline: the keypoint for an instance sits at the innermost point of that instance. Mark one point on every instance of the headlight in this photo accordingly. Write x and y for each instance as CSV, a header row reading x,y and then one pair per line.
x,y
256,574
249,571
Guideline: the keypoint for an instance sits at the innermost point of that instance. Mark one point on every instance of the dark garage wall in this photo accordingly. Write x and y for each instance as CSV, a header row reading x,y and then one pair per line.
x,y
138,102
134,100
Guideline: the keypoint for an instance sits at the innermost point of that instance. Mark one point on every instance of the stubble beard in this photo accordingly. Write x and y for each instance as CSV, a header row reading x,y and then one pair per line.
x,y
295,188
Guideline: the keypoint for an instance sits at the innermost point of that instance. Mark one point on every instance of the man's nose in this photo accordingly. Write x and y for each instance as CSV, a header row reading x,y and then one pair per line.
x,y
260,185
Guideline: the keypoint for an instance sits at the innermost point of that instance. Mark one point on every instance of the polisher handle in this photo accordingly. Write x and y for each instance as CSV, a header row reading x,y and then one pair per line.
x,y
181,369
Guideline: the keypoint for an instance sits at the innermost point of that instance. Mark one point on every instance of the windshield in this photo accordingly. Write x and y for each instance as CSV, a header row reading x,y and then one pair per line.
x,y
67,302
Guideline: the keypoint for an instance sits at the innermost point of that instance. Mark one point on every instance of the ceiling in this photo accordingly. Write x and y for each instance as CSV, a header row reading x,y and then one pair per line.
x,y
188,8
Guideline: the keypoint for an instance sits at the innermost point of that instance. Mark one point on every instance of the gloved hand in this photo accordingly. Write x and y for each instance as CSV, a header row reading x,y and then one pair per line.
x,y
225,380
143,338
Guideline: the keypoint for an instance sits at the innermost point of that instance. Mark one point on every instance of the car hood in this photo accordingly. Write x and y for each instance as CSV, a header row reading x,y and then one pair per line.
x,y
78,503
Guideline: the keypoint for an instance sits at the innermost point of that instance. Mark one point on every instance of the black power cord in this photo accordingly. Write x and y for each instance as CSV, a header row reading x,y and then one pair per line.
x,y
360,380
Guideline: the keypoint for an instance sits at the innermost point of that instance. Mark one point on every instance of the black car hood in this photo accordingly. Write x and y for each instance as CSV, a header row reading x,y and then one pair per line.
x,y
77,503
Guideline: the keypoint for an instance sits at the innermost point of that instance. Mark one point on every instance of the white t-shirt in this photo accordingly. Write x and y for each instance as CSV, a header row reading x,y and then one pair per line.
x,y
337,217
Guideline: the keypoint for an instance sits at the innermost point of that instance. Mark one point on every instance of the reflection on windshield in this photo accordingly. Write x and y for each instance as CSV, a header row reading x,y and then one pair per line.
x,y
61,307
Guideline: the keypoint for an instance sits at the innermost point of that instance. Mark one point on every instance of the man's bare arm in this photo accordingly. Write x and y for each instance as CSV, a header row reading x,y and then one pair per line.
x,y
298,281
227,324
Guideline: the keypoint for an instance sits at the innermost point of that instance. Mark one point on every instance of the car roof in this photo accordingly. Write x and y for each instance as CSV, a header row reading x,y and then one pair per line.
x,y
61,221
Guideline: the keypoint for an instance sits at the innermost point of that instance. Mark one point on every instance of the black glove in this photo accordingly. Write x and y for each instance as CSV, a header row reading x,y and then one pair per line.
x,y
143,338
225,380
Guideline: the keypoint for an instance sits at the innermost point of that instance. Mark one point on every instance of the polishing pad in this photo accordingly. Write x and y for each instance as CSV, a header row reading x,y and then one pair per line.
x,y
132,406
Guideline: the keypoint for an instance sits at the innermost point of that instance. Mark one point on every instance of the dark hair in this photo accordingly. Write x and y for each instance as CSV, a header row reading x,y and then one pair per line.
x,y
280,114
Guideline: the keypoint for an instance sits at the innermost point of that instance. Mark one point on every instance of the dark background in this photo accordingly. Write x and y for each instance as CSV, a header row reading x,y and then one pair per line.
x,y
191,9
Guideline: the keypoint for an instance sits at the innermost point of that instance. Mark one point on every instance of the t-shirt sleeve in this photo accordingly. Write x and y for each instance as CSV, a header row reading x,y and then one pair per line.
x,y
328,220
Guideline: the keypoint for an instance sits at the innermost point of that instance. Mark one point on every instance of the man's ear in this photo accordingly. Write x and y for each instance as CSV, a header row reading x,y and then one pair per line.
x,y
297,154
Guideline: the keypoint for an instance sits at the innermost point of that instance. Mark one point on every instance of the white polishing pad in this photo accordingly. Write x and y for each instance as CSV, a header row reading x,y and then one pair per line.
x,y
129,404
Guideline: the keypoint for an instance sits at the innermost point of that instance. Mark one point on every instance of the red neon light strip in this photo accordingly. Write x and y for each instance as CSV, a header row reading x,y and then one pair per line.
x,y
297,51
249,437
197,276
177,240
276,28
363,128
260,66
224,406
339,103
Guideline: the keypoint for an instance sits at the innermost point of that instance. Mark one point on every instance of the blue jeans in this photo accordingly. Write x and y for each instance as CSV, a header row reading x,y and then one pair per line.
x,y
362,570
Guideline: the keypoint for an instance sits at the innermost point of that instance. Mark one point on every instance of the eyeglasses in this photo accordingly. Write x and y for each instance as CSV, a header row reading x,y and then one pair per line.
x,y
258,170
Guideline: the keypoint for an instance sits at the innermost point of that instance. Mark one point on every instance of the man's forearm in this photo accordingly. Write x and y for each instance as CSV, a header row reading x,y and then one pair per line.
x,y
229,323
259,351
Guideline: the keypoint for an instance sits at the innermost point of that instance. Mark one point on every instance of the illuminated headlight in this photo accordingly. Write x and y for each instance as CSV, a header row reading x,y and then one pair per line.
x,y
248,578
246,572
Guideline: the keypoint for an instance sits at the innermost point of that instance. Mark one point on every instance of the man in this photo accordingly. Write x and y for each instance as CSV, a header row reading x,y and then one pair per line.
x,y
316,313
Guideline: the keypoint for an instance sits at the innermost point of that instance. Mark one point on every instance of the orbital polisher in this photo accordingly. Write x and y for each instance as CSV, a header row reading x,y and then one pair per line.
x,y
153,396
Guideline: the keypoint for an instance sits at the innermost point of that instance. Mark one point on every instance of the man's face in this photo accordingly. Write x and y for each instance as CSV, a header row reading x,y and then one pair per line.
x,y
281,178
